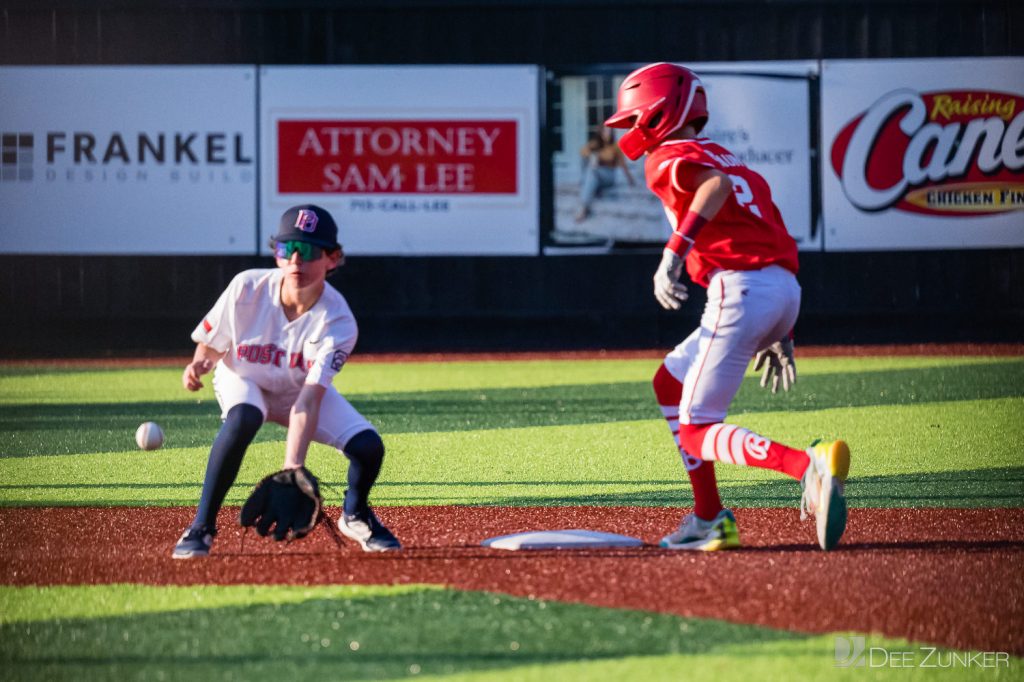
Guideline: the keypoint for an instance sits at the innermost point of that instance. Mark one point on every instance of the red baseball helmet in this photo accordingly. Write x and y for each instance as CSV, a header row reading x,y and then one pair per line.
x,y
654,102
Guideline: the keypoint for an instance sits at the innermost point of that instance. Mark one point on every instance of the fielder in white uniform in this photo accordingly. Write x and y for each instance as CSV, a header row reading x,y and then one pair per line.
x,y
275,339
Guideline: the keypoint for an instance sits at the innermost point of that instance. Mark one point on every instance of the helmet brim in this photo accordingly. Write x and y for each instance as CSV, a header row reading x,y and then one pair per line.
x,y
622,119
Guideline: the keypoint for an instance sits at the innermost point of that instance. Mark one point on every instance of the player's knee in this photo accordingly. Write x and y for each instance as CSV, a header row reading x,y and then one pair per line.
x,y
691,438
365,447
243,421
667,389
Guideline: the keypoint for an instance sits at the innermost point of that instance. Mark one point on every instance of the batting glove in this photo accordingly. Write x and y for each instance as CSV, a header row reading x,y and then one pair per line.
x,y
667,289
780,367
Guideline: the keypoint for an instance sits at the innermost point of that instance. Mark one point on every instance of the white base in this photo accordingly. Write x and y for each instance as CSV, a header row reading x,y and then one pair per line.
x,y
561,539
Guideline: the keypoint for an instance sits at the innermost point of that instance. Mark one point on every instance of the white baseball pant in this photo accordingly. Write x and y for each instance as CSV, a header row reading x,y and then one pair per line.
x,y
746,311
338,420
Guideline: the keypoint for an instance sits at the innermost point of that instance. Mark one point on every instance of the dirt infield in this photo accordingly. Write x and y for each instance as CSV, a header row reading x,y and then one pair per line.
x,y
945,576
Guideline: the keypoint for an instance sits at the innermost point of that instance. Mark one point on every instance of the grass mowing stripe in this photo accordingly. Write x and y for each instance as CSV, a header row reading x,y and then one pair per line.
x,y
808,660
940,454
274,633
67,602
31,429
35,385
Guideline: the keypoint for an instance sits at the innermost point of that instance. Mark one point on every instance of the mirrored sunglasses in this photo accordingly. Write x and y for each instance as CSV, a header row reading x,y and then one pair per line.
x,y
308,252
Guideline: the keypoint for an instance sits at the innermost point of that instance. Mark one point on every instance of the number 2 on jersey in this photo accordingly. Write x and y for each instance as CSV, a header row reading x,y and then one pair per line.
x,y
744,195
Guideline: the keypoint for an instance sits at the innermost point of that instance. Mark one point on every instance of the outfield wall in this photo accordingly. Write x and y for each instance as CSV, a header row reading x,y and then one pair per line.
x,y
99,305
961,288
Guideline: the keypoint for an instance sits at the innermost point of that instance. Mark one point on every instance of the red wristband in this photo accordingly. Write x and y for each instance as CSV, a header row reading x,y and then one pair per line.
x,y
684,235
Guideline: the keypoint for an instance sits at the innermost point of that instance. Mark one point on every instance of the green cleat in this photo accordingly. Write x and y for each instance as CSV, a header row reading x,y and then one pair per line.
x,y
823,486
705,536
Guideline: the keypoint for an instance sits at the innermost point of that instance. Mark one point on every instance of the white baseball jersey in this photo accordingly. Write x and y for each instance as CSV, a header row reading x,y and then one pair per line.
x,y
268,358
249,325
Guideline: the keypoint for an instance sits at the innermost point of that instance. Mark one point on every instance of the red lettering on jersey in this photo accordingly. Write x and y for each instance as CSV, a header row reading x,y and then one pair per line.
x,y
266,353
207,326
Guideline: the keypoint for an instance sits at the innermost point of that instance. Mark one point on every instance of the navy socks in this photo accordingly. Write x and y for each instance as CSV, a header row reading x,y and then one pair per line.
x,y
365,452
239,428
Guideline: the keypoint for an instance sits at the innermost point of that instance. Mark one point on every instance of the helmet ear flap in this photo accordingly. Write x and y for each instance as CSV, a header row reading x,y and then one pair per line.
x,y
699,110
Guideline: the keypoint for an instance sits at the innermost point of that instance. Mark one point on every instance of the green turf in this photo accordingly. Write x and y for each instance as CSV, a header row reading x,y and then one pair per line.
x,y
122,632
924,432
39,384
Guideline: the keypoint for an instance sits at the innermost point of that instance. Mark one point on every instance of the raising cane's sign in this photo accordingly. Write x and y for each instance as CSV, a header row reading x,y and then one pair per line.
x,y
397,157
955,152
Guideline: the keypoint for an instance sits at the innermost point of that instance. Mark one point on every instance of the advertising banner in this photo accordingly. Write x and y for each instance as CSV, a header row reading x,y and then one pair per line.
x,y
759,111
923,154
409,160
128,160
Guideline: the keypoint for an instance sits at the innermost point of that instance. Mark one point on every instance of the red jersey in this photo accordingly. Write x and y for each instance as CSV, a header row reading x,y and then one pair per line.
x,y
746,234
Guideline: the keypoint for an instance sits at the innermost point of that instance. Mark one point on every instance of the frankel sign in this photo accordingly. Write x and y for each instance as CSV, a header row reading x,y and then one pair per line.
x,y
128,159
946,152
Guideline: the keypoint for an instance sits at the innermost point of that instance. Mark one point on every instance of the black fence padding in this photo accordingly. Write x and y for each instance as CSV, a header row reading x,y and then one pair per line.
x,y
130,305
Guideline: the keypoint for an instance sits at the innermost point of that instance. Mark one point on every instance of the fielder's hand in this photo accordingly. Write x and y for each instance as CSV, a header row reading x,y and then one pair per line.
x,y
781,365
194,370
667,289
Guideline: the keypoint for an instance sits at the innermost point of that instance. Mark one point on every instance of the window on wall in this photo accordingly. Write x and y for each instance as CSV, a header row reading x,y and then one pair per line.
x,y
601,91
556,124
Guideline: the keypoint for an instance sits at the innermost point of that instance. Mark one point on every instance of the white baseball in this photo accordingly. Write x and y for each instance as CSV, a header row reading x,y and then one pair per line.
x,y
149,436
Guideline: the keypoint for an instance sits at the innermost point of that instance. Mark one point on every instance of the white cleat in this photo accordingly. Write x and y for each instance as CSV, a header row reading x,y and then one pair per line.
x,y
823,487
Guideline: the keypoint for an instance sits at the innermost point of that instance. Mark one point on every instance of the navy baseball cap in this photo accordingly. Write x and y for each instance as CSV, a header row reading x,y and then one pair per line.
x,y
307,223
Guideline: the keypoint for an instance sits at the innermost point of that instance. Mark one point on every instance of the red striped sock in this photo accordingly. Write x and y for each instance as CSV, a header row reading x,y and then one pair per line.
x,y
706,502
736,445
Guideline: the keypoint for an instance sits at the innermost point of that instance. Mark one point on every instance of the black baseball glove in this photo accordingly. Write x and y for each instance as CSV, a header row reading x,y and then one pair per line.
x,y
288,501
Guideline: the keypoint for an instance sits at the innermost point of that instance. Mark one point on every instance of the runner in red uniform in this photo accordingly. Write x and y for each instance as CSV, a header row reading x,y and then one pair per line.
x,y
734,242
745,234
